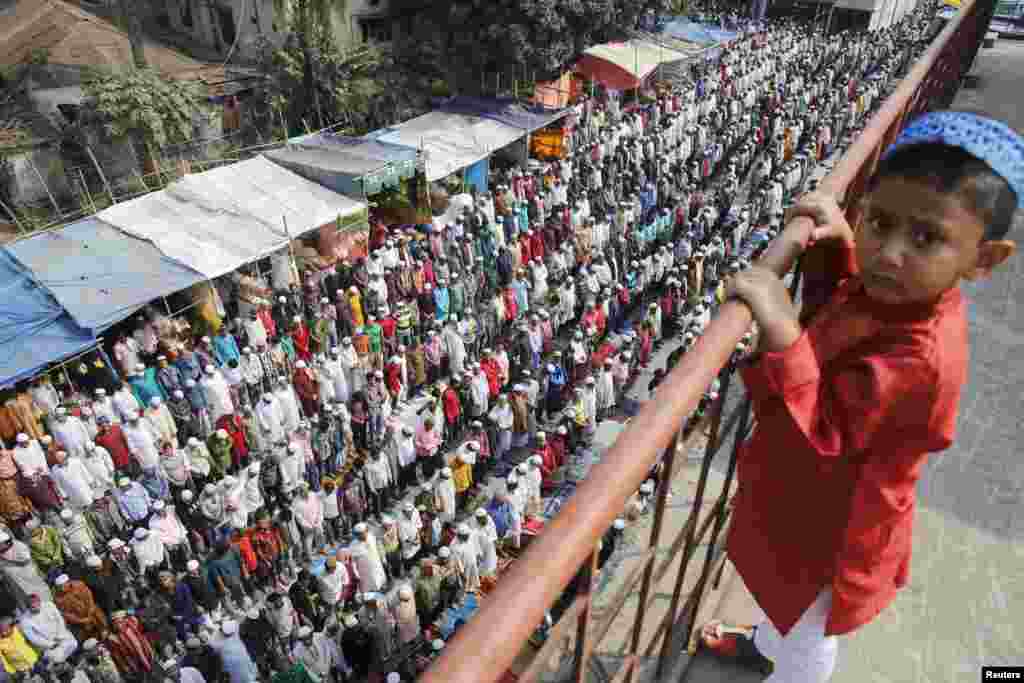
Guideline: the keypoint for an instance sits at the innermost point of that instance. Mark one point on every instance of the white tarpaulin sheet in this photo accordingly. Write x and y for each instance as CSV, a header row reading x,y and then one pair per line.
x,y
452,142
218,220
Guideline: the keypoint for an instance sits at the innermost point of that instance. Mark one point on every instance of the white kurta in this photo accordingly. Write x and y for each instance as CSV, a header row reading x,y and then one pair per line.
x,y
366,556
334,373
270,419
74,482
409,533
466,554
446,500
486,538
149,552
289,406
101,467
125,403
142,444
163,421
78,536
71,434
48,632
456,350
218,396
292,467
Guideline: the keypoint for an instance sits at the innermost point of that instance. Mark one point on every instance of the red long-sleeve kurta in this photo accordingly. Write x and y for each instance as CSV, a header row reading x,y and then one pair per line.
x,y
300,337
493,372
846,418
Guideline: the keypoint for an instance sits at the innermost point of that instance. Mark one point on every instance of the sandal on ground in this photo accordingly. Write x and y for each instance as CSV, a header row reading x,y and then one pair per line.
x,y
735,643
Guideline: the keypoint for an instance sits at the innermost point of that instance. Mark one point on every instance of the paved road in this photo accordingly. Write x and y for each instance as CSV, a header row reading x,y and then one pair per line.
x,y
958,612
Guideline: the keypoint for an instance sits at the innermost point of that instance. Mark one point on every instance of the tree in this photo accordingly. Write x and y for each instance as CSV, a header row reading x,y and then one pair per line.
x,y
313,81
144,106
131,15
467,41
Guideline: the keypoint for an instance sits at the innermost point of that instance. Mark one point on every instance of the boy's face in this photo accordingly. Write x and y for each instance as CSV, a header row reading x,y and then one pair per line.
x,y
915,243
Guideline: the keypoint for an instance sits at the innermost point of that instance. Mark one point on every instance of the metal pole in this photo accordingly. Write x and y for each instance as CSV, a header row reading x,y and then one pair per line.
x,y
584,641
46,187
655,539
103,177
14,216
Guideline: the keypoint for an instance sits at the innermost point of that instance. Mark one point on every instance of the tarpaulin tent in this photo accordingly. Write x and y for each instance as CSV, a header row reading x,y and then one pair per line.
x,y
700,34
359,165
554,94
450,142
503,110
216,221
99,274
623,66
35,330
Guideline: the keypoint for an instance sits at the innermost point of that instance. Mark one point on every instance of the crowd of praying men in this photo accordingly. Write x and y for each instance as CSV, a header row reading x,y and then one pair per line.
x,y
314,487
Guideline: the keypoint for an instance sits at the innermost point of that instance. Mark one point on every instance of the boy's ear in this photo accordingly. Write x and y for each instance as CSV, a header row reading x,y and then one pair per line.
x,y
991,254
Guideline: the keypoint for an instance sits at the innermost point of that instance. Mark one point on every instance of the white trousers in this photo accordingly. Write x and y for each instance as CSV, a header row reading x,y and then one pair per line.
x,y
805,654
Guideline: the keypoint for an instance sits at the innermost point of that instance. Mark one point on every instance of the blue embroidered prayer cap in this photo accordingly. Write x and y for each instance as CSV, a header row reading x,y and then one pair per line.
x,y
989,140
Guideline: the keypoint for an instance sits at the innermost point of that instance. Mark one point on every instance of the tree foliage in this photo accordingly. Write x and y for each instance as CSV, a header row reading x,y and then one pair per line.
x,y
314,82
464,41
144,103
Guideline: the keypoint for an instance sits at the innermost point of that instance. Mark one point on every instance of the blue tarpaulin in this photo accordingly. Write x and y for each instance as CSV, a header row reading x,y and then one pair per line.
x,y
34,329
476,175
99,274
701,34
347,165
508,111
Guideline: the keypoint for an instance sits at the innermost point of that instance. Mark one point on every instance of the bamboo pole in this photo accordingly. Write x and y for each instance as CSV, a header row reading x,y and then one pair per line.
x,y
103,177
42,181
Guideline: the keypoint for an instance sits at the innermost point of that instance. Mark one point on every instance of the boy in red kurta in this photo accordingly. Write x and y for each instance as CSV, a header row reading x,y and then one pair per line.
x,y
849,407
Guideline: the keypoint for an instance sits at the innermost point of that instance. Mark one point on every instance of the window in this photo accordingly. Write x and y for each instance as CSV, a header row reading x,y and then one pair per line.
x,y
375,30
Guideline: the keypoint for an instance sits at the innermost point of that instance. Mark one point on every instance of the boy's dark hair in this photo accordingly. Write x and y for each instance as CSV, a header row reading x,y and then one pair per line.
x,y
952,170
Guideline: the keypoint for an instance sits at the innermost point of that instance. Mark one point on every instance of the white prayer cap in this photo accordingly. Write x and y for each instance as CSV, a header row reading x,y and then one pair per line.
x,y
360,528
446,473
101,392
93,561
90,645
590,381
393,677
409,507
190,383
229,627
563,430
228,481
61,410
619,524
140,534
124,481
193,441
444,553
437,645
4,537
187,496
115,543
192,565
22,438
61,580
159,505
66,514
481,513
210,488
155,401
305,632
300,364
647,487
140,367
222,433
209,369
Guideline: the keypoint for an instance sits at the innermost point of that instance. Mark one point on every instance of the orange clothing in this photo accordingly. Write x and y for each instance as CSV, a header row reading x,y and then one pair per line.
x,y
846,417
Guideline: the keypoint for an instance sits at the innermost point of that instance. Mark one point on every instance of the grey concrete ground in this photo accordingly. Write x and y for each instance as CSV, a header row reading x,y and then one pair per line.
x,y
962,608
